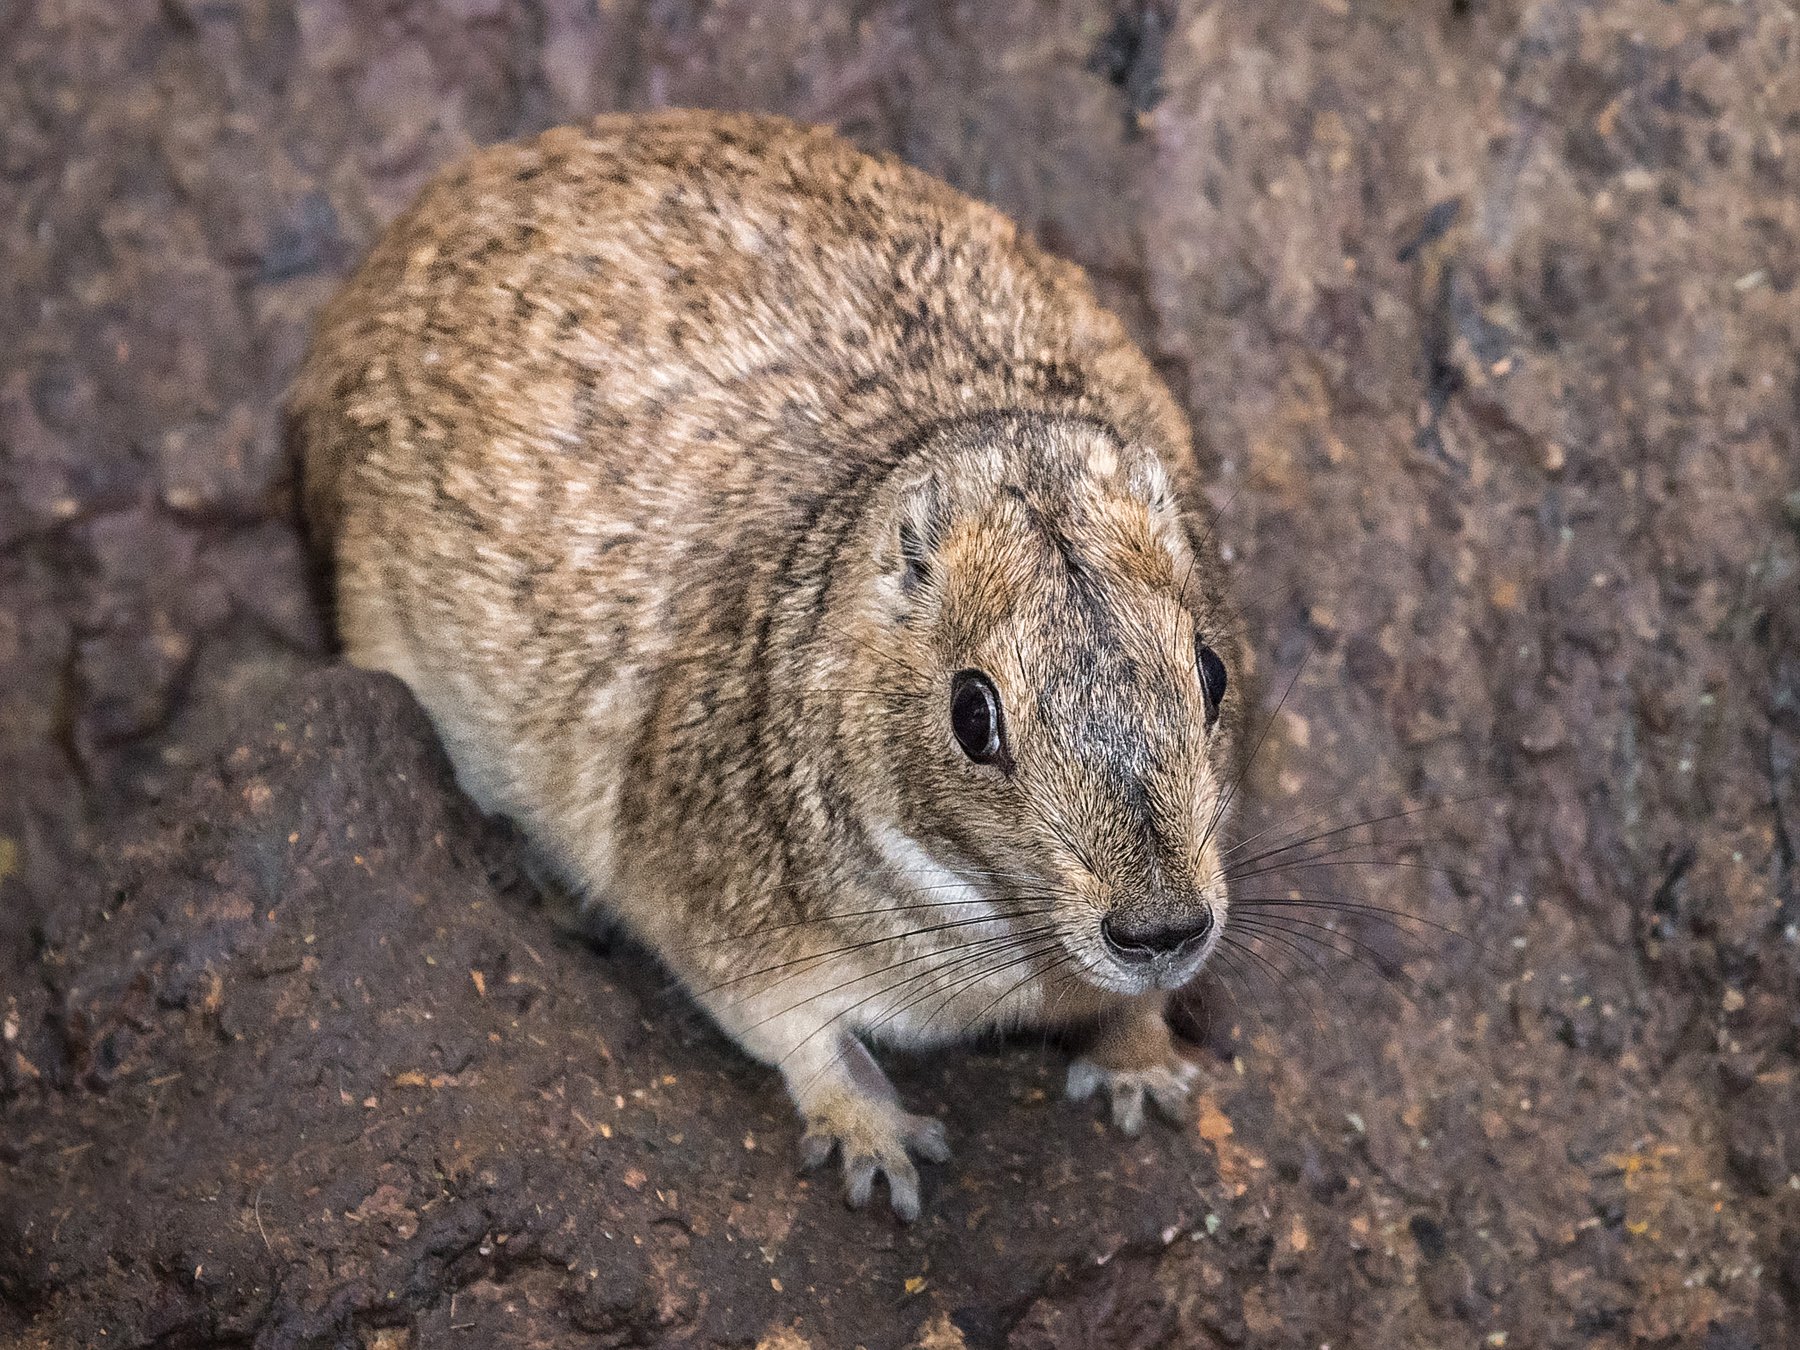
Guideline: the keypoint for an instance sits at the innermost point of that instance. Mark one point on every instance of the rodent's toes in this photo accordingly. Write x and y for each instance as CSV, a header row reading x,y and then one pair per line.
x,y
876,1142
902,1179
1166,1085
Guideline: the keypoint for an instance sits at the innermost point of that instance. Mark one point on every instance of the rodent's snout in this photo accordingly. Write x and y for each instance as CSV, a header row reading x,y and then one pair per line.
x,y
1163,951
1136,943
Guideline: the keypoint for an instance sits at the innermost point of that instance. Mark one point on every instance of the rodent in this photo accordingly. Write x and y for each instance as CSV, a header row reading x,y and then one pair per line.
x,y
817,574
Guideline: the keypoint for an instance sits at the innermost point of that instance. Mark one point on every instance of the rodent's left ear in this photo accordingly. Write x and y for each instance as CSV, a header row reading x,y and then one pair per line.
x,y
1148,481
1145,479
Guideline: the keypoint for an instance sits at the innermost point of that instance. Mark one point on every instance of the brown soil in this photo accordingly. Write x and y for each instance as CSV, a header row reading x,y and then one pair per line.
x,y
1487,316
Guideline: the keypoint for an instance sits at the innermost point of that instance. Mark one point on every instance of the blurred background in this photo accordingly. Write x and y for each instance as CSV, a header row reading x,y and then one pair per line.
x,y
1485,316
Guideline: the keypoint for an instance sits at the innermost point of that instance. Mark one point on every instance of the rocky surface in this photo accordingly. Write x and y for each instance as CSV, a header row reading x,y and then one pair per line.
x,y
1486,316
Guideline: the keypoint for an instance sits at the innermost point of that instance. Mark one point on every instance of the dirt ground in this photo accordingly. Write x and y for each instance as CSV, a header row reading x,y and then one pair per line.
x,y
1486,315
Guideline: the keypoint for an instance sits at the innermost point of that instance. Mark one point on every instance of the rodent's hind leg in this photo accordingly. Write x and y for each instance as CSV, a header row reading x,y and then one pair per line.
x,y
562,905
1133,1056
850,1108
565,905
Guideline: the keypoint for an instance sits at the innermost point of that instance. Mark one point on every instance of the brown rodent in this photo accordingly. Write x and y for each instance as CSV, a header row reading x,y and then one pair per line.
x,y
816,573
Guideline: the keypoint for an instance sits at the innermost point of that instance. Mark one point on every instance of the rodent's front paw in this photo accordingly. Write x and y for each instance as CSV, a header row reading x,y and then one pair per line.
x,y
1165,1084
874,1136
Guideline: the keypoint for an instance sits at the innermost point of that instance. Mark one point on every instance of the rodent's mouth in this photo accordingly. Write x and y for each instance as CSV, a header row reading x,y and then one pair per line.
x,y
1106,968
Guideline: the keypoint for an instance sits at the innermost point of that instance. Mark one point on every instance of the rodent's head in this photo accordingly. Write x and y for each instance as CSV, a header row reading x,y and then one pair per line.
x,y
1052,653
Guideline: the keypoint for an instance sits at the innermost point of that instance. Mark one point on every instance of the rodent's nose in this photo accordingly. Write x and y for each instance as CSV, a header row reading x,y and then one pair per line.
x,y
1140,942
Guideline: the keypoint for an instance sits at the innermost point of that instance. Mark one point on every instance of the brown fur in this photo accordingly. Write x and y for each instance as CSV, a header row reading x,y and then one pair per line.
x,y
677,463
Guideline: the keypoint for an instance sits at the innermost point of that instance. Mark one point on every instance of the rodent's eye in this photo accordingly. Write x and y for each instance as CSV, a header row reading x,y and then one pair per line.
x,y
975,716
1212,678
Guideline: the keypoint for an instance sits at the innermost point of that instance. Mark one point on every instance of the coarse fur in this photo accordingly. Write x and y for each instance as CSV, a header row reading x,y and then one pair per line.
x,y
679,463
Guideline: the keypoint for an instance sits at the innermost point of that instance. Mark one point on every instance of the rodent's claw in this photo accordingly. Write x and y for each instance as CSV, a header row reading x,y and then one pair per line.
x,y
928,1139
883,1142
816,1148
902,1179
1166,1085
1085,1078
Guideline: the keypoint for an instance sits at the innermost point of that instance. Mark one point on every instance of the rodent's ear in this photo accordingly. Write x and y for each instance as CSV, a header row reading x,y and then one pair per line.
x,y
1146,480
918,528
1136,471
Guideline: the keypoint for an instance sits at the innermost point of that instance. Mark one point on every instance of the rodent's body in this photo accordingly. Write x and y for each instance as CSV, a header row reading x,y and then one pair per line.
x,y
676,463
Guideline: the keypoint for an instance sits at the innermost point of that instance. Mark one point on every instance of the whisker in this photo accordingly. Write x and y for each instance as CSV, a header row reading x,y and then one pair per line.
x,y
1306,810
864,945
989,967
1337,850
1369,822
1016,985
836,915
1227,962
1272,933
1244,773
1063,987
958,958
1472,882
1041,949
1325,985
899,870
1341,846
1332,901
873,974
1217,967
1282,980
931,979
977,944
1359,952
1267,925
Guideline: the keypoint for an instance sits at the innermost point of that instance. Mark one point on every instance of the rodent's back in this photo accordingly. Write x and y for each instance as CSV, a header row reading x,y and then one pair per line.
x,y
698,288
563,427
